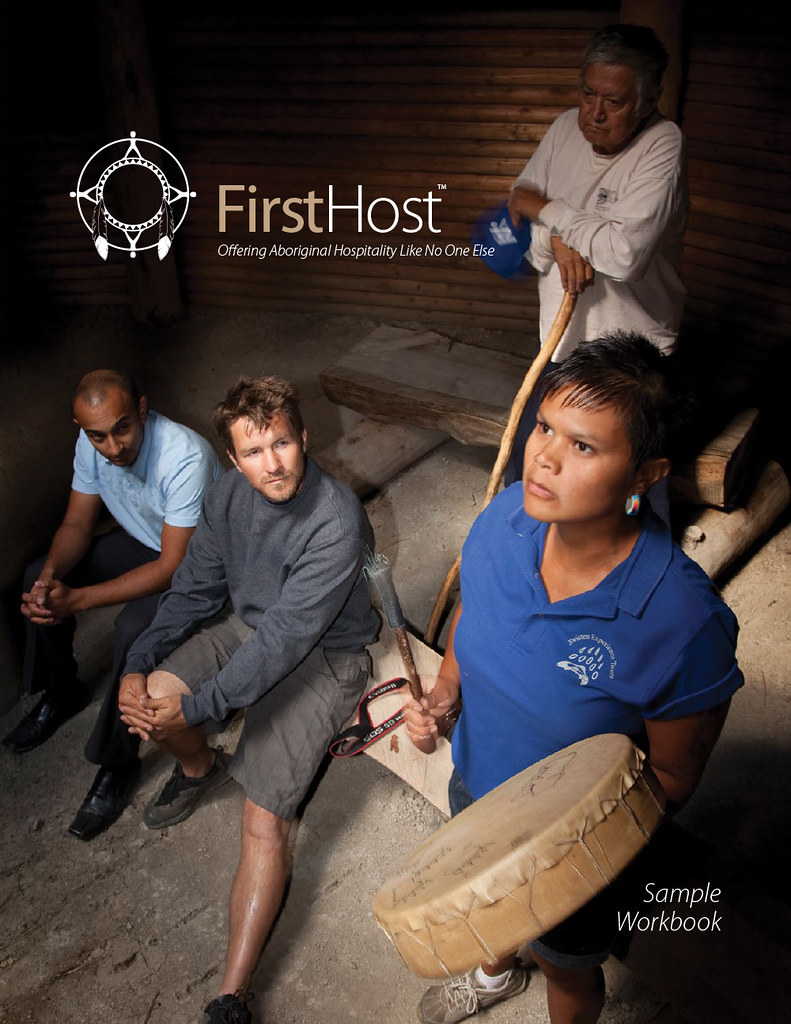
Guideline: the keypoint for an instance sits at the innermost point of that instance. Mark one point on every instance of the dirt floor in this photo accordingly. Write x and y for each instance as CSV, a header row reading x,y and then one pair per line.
x,y
131,927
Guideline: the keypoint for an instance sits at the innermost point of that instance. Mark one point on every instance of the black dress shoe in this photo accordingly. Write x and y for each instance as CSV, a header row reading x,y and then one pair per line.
x,y
105,802
54,708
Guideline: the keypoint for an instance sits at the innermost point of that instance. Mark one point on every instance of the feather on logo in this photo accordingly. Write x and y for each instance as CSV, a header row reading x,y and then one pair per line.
x,y
109,230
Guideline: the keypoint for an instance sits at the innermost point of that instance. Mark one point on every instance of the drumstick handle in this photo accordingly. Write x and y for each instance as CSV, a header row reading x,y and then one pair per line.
x,y
410,671
380,578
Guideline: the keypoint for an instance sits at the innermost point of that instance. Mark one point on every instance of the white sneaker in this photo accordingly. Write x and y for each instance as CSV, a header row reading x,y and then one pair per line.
x,y
457,998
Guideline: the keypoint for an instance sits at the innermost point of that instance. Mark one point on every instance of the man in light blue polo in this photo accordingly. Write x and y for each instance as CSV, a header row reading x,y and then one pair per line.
x,y
150,473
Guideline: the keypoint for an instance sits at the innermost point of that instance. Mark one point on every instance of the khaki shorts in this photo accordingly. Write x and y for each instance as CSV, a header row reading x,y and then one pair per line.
x,y
286,734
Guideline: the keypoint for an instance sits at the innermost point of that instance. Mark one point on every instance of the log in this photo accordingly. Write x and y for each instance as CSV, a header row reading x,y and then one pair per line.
x,y
472,56
718,473
740,211
750,95
194,120
561,45
754,138
716,539
302,90
193,72
373,453
752,160
427,773
258,109
426,380
762,257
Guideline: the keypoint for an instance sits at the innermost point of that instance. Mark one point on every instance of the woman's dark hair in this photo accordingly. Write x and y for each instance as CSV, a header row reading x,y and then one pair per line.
x,y
627,372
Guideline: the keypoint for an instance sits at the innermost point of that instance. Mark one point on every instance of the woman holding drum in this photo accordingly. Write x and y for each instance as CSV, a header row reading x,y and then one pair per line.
x,y
578,617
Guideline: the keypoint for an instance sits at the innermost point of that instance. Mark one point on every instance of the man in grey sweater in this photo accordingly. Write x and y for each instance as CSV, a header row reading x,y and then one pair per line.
x,y
268,612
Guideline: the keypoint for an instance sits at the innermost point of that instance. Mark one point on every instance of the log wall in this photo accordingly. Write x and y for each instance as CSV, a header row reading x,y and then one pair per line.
x,y
404,103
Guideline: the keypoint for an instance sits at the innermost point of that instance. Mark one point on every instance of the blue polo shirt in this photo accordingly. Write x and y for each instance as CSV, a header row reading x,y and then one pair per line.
x,y
652,641
165,483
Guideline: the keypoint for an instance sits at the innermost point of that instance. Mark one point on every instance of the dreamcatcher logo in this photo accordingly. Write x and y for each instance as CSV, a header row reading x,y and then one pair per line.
x,y
132,177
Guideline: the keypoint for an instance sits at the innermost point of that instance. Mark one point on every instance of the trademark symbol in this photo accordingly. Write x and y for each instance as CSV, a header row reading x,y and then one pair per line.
x,y
441,186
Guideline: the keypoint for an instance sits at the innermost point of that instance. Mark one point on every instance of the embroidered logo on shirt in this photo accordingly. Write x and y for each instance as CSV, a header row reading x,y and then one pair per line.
x,y
587,659
605,197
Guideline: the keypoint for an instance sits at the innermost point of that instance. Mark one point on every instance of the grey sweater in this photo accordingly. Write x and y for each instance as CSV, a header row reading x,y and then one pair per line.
x,y
291,572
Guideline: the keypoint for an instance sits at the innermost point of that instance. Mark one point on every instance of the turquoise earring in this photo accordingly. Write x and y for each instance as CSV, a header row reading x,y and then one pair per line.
x,y
632,506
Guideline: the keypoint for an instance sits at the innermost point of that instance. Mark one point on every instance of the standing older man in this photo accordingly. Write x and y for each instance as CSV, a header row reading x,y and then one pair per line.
x,y
150,473
606,193
268,612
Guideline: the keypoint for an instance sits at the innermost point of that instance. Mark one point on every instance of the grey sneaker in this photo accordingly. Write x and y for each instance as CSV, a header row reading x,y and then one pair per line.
x,y
181,794
458,998
228,1009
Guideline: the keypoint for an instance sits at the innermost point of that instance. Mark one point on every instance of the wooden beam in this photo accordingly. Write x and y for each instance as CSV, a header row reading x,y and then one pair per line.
x,y
426,380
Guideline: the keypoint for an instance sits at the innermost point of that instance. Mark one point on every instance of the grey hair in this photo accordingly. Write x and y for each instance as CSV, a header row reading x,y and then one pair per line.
x,y
637,47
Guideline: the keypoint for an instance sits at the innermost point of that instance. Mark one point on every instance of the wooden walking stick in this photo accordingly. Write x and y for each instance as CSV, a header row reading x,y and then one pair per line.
x,y
556,332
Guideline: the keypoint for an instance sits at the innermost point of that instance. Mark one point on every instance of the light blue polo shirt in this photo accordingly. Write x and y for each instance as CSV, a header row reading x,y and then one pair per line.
x,y
165,484
652,641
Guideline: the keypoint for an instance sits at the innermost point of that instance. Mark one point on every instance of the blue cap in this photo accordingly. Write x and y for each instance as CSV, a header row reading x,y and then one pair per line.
x,y
504,246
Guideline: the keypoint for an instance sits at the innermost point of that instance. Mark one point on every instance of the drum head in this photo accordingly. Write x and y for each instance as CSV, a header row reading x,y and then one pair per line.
x,y
522,858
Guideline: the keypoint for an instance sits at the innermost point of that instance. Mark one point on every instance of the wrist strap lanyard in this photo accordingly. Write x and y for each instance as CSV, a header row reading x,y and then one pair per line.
x,y
356,738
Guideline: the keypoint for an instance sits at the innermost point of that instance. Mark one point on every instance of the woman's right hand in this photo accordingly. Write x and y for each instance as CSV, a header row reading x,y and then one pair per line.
x,y
427,718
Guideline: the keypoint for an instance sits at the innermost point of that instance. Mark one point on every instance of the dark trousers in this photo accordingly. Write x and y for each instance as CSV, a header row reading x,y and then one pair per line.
x,y
49,658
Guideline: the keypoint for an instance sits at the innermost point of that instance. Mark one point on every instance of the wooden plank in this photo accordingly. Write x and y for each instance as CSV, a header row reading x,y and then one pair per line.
x,y
258,110
718,474
373,453
477,96
729,248
325,55
270,120
357,41
740,212
185,72
424,379
427,773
